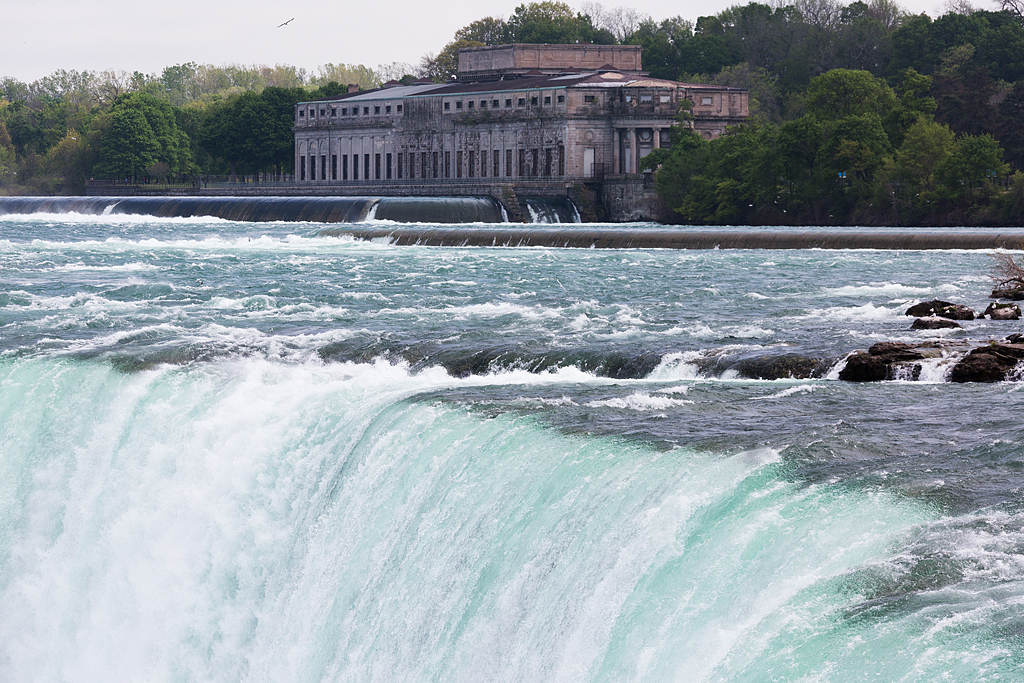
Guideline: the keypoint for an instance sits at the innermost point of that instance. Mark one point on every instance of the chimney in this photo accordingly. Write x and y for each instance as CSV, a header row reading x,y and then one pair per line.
x,y
353,87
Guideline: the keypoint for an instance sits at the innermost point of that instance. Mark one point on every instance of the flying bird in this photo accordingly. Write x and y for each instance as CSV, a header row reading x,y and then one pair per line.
x,y
287,22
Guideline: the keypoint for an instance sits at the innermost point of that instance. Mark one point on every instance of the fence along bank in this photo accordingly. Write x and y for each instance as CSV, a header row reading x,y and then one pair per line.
x,y
519,120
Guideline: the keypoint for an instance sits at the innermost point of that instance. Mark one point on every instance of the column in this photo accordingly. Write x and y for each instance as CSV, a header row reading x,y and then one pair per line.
x,y
634,150
616,151
656,134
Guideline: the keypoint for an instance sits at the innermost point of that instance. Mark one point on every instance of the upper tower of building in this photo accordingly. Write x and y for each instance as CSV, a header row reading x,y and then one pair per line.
x,y
495,61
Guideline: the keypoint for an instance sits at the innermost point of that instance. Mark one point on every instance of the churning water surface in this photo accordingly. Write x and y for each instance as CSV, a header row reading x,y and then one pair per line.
x,y
241,452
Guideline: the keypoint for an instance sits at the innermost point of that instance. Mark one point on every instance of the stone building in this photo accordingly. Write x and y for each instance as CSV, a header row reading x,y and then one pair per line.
x,y
550,115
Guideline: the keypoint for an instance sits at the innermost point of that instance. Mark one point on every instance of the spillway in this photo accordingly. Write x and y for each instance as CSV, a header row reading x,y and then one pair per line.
x,y
262,209
672,238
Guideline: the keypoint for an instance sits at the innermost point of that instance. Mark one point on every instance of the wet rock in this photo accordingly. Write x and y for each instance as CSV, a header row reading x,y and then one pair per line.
x,y
1011,293
1015,338
942,309
1002,312
989,363
787,366
884,360
934,323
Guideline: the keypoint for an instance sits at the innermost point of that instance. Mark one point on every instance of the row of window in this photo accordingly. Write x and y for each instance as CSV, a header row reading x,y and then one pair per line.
x,y
647,99
412,165
387,109
496,104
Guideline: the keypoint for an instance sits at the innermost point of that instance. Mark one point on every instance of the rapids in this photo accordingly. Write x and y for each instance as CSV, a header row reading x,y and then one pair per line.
x,y
236,451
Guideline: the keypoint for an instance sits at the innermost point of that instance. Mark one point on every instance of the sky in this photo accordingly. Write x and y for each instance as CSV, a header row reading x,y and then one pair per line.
x,y
38,37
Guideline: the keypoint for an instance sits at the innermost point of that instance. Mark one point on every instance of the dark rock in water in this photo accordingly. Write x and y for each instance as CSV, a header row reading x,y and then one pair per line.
x,y
888,360
987,363
1011,293
1002,312
863,367
892,352
934,323
788,366
942,309
1015,338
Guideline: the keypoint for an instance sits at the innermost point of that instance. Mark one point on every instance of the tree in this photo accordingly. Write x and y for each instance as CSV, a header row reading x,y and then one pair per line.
x,y
142,131
129,146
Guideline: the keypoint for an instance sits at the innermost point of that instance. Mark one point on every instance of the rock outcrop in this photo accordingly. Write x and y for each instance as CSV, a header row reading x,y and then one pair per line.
x,y
989,363
1007,292
1002,312
934,323
887,360
941,309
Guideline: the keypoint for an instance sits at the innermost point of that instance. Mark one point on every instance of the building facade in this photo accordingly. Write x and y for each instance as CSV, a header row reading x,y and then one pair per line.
x,y
563,113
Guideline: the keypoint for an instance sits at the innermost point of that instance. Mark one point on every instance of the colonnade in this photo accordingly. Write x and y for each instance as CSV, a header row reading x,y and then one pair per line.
x,y
632,136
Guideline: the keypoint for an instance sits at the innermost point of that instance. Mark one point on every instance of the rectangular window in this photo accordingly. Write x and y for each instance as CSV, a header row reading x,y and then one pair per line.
x,y
355,111
323,167
534,162
322,112
412,165
376,167
472,164
401,156
302,168
547,99
458,105
494,104
561,160
588,98
387,109
334,167
366,111
561,99
312,168
366,167
533,101
522,101
483,104
376,110
355,167
483,164
707,101
447,106
471,103
458,164
344,167
646,99
547,162
447,164
664,99
508,104
497,163
302,113
433,164
344,111
334,111
398,108
522,163
387,165
508,163
423,164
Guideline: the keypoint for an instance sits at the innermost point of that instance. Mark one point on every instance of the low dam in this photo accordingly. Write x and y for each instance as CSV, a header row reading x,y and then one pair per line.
x,y
686,238
482,222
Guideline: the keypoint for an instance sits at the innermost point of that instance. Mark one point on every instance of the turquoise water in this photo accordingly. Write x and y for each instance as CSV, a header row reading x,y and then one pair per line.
x,y
240,452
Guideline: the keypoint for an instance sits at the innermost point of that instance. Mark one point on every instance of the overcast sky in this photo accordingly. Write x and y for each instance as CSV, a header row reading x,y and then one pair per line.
x,y
38,37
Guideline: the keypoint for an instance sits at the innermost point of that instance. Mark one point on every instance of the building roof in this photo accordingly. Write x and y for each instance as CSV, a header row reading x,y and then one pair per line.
x,y
590,79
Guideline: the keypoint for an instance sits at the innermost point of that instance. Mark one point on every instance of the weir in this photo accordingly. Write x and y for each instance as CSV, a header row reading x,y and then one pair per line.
x,y
669,238
262,209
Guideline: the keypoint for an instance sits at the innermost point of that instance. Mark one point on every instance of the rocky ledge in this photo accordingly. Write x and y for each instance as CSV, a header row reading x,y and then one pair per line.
x,y
992,362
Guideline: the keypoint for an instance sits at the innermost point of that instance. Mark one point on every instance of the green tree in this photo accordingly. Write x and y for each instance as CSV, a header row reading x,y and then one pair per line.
x,y
129,145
